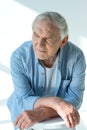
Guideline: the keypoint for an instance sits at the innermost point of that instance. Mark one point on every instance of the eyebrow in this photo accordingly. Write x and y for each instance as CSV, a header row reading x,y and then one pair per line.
x,y
49,36
35,33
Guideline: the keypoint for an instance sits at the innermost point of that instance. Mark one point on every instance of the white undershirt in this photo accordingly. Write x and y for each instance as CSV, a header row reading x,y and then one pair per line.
x,y
51,79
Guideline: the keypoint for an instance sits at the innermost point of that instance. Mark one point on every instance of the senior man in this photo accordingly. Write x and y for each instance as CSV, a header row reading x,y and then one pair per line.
x,y
48,75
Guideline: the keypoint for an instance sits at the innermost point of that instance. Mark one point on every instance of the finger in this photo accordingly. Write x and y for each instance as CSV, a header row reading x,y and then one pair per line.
x,y
67,122
77,117
20,122
74,117
72,120
17,119
27,126
23,124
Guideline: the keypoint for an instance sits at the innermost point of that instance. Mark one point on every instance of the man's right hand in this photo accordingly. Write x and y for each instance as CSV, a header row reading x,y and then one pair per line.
x,y
28,118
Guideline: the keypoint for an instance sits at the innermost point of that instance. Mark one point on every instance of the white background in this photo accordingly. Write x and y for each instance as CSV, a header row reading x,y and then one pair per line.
x,y
16,18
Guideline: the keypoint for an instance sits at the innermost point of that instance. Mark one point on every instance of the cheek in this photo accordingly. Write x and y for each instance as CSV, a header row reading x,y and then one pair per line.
x,y
34,39
35,42
53,50
50,51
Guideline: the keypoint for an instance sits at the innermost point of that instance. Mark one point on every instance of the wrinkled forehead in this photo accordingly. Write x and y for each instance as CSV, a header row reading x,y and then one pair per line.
x,y
46,29
45,24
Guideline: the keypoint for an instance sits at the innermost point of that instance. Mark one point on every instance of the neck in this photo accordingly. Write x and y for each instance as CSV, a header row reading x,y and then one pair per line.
x,y
49,62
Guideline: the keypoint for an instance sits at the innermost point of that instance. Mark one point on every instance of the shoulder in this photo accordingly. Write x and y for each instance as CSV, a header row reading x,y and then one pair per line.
x,y
72,50
23,47
23,50
71,54
23,57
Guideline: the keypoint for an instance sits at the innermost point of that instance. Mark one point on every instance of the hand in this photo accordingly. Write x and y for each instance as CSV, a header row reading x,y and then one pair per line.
x,y
64,109
29,118
67,112
26,119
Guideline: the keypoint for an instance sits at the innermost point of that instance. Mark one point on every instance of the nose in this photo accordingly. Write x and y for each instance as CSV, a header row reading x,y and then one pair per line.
x,y
41,42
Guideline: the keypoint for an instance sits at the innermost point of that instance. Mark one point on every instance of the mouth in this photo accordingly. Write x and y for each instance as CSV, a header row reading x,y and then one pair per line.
x,y
43,51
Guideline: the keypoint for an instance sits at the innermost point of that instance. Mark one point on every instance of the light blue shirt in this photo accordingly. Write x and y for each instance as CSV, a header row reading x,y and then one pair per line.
x,y
29,77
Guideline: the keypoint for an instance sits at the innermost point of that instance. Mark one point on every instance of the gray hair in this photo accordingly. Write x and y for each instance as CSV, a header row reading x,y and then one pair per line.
x,y
57,19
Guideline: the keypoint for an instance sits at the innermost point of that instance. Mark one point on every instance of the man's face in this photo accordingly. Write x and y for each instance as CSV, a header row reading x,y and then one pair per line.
x,y
46,39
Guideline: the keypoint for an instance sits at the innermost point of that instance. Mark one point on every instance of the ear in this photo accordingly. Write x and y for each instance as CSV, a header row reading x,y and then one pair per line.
x,y
64,41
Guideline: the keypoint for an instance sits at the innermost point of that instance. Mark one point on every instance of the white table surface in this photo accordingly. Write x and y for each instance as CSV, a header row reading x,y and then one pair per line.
x,y
51,124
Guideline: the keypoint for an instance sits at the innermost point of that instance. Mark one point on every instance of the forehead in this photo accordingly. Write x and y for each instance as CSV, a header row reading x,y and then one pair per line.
x,y
45,26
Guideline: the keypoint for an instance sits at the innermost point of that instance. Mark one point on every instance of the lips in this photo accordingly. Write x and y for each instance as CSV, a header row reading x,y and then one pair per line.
x,y
41,50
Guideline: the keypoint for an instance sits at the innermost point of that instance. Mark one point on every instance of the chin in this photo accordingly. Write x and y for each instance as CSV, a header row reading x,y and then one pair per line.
x,y
41,57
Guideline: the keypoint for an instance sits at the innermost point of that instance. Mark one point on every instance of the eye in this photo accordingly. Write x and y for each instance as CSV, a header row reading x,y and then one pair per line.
x,y
35,35
49,40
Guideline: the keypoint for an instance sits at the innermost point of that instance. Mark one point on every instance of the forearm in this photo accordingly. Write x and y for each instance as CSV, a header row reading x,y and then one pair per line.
x,y
45,113
34,116
50,102
46,108
64,109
